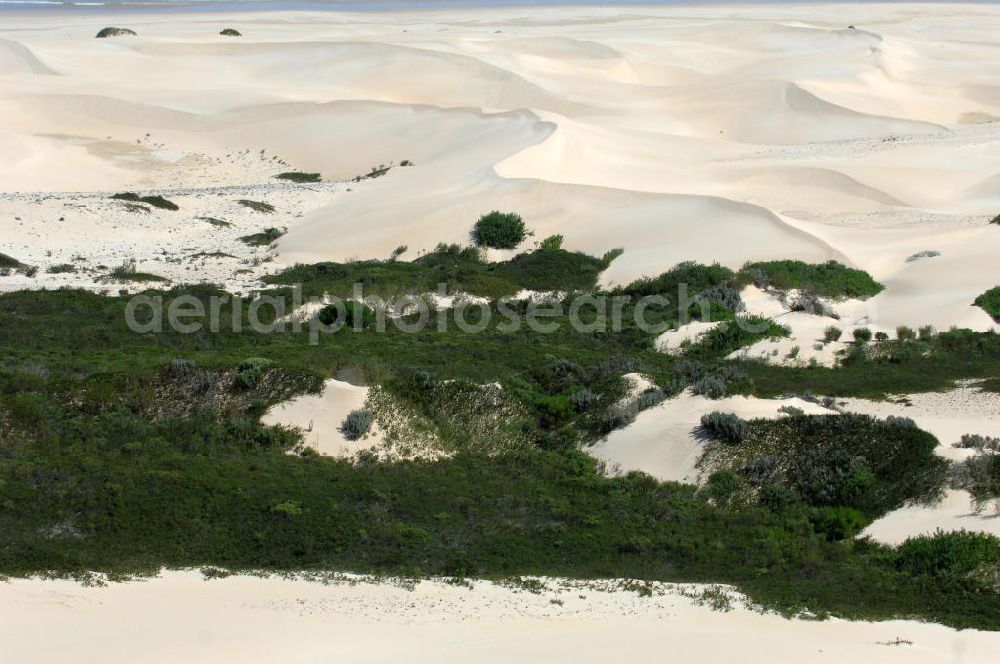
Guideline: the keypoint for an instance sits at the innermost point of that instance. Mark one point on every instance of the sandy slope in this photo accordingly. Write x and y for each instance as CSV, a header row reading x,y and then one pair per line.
x,y
241,619
699,133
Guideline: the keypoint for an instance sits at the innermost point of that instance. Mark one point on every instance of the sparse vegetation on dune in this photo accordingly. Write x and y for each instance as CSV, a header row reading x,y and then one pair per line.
x,y
153,200
127,270
61,268
104,33
263,238
297,176
219,223
230,32
257,206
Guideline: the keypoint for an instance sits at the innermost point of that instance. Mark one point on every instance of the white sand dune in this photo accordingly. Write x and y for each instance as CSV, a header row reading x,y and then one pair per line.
x,y
247,620
319,416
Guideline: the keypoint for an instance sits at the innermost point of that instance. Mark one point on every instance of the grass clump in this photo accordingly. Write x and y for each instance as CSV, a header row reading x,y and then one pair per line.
x,y
127,270
263,238
297,176
830,279
831,334
357,424
154,201
218,223
230,32
257,206
115,32
499,230
990,302
61,268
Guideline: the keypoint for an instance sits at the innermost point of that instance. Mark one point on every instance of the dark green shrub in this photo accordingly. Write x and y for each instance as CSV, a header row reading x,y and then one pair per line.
x,y
61,268
726,427
954,554
862,335
721,486
832,334
990,302
257,206
155,201
582,400
830,279
349,314
8,262
264,238
230,32
296,176
499,230
115,32
881,336
357,424
904,333
838,523
250,372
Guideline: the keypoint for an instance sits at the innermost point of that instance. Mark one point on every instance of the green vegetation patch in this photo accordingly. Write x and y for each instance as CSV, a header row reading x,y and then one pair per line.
x,y
990,302
9,262
218,223
296,176
257,206
230,32
830,279
61,268
115,32
845,461
462,270
263,238
499,230
155,201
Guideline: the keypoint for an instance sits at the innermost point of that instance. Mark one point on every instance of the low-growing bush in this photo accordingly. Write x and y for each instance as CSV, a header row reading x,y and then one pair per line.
x,y
9,262
713,387
990,302
838,523
832,334
257,206
115,32
263,238
727,427
357,424
953,554
862,335
230,32
881,336
830,279
61,268
348,314
297,176
975,441
904,333
153,200
499,230
250,372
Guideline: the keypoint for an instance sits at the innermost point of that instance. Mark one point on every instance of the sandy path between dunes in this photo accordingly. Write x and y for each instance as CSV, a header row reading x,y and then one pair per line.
x,y
242,619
